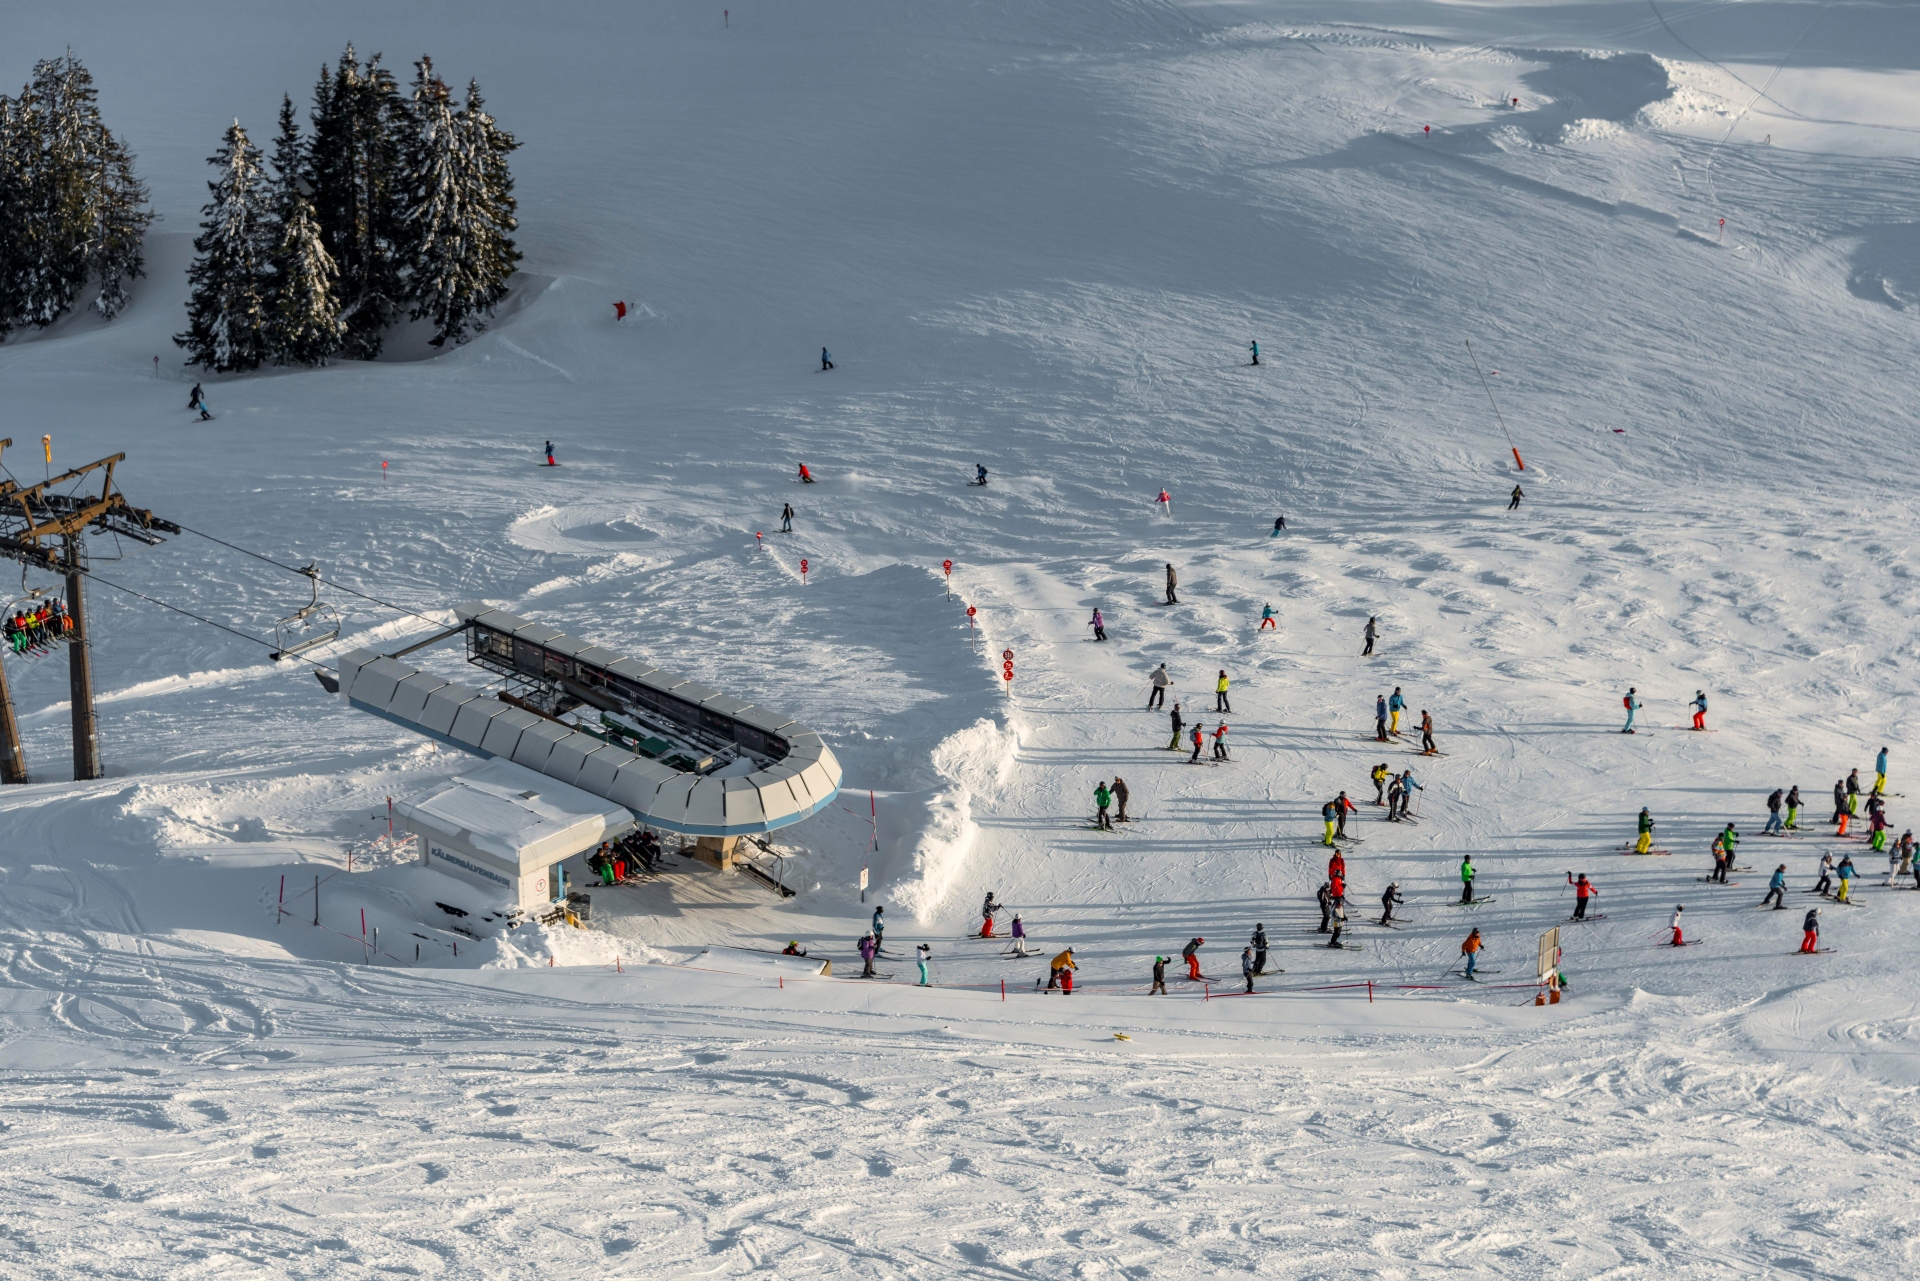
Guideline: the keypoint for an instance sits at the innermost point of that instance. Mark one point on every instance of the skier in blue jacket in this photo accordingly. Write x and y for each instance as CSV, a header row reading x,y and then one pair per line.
x,y
1777,890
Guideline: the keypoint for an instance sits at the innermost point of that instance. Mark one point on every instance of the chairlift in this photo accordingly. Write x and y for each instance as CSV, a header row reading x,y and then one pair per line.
x,y
30,598
309,627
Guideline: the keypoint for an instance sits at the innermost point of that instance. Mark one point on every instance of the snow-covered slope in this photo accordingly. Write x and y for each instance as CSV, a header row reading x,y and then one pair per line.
x,y
1037,237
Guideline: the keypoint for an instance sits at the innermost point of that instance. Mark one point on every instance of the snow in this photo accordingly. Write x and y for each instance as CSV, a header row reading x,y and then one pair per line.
x,y
1037,237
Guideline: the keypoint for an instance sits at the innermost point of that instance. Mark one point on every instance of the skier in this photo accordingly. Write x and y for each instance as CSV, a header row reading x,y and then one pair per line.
x,y
1395,706
1583,892
1173,581
1393,798
193,397
1266,618
1063,967
1165,502
1880,772
1337,867
1199,741
1120,794
1159,976
1192,954
1826,876
1810,938
1328,813
1700,709
1853,791
1793,808
1102,799
619,311
1388,902
1246,965
1341,808
879,928
206,415
1339,921
826,360
1408,786
988,910
1900,857
793,948
1632,704
1518,494
1259,944
1324,896
786,518
1099,625
1426,734
1279,526
868,947
980,475
1173,744
1019,937
550,462
1220,703
1719,851
1777,890
1471,950
1220,742
1729,841
1839,803
1845,873
1645,842
1380,718
925,954
1254,347
1372,634
1679,940
1466,880
1774,802
1157,696
1379,777
1878,827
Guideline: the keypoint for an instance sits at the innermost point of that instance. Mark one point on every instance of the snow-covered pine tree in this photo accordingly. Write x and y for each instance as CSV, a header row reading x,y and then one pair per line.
x,y
355,167
226,315
494,255
304,327
444,193
16,250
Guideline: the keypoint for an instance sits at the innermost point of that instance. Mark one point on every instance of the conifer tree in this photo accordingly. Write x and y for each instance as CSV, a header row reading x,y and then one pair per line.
x,y
355,166
227,315
494,254
304,327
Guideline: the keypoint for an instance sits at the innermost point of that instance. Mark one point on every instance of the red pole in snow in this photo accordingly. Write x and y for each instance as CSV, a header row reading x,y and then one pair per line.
x,y
1369,991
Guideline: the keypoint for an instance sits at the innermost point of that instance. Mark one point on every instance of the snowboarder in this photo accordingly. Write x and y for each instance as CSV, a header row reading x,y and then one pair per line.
x,y
1254,347
1632,704
1324,896
1019,931
879,928
1773,812
1099,625
1120,795
1700,709
980,475
1466,880
1339,922
1810,927
1679,939
1583,891
1192,955
923,954
793,948
1279,526
1266,618
1173,744
1388,901
1159,976
1220,742
550,462
1395,706
1379,777
1645,842
1372,634
1220,703
1259,944
868,947
1380,718
1426,734
1157,696
1408,786
806,477
1777,890
1103,799
1880,772
1518,494
1246,965
786,518
1173,581
1199,741
1471,950
1793,808
826,360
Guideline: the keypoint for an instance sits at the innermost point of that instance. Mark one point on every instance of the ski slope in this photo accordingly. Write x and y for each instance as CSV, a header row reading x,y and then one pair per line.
x,y
1038,237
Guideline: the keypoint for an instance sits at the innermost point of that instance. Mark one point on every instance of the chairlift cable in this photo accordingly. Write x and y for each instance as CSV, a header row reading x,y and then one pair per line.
x,y
294,569
106,582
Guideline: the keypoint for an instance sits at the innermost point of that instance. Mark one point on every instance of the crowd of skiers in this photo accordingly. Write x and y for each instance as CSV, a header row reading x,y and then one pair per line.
x,y
36,629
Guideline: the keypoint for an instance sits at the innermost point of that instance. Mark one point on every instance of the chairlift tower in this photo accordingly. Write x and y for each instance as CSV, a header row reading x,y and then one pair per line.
x,y
42,530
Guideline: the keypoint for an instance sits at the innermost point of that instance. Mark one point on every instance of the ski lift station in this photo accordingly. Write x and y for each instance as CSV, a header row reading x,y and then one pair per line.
x,y
588,726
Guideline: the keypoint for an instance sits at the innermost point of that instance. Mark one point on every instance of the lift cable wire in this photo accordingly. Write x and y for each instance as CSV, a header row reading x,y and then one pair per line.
x,y
294,569
105,582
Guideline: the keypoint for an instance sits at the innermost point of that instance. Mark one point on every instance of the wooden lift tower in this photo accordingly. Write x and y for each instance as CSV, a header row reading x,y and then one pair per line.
x,y
42,529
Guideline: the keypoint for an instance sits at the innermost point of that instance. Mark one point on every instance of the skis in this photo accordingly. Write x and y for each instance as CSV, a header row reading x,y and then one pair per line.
x,y
1578,920
1710,881
1818,951
1628,849
879,977
1476,902
1347,947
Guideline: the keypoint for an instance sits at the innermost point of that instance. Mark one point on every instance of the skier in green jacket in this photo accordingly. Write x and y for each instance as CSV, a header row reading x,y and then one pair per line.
x,y
1466,879
1103,799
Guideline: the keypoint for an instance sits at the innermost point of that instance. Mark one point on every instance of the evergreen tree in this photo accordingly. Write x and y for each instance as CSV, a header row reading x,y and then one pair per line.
x,y
305,326
227,315
355,166
494,254
17,147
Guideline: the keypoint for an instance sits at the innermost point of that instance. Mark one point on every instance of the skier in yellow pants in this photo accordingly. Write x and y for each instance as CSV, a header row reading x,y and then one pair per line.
x,y
1646,833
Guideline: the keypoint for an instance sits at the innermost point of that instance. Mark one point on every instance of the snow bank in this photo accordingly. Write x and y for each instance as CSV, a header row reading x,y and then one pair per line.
x,y
976,763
